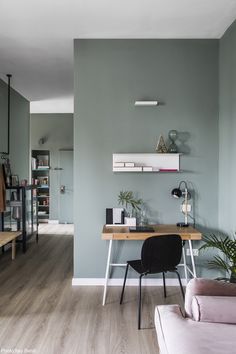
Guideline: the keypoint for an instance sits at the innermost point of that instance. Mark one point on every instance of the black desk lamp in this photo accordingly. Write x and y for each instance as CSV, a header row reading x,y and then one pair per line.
x,y
185,208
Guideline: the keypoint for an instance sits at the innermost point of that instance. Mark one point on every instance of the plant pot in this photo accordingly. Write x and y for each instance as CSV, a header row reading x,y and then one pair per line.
x,y
130,221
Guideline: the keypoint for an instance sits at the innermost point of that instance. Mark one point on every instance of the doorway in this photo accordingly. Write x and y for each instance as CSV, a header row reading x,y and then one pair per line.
x,y
54,133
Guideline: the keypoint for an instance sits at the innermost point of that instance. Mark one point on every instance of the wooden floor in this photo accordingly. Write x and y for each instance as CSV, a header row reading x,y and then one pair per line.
x,y
56,229
40,311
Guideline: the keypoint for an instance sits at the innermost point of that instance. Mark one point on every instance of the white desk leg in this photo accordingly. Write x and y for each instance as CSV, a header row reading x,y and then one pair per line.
x,y
107,273
192,258
185,265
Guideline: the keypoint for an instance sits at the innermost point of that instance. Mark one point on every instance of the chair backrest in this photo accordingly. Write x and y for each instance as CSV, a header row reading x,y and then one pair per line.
x,y
161,253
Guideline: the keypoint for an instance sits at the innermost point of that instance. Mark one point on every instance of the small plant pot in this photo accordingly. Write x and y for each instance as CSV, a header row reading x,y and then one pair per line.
x,y
130,221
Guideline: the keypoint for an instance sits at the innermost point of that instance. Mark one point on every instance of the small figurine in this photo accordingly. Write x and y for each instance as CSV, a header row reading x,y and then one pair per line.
x,y
173,135
161,146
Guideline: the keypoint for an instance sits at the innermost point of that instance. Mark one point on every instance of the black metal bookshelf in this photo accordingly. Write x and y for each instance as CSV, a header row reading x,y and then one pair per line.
x,y
21,212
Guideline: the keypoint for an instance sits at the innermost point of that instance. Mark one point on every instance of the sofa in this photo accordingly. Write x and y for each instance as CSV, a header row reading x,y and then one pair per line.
x,y
208,324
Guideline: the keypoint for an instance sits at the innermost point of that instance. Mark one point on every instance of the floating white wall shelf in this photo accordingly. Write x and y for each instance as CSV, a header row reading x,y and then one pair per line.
x,y
145,162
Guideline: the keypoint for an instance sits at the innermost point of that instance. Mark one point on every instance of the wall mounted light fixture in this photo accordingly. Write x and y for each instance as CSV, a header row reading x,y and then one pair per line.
x,y
146,103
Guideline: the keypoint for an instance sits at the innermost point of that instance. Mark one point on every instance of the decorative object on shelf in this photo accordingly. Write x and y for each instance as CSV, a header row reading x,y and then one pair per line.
x,y
14,180
7,172
114,216
23,182
181,192
147,169
227,260
146,103
16,209
129,164
127,200
161,146
43,161
143,221
130,221
118,164
173,136
128,169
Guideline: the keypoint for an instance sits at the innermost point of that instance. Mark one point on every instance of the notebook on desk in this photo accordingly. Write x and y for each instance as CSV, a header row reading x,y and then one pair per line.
x,y
141,229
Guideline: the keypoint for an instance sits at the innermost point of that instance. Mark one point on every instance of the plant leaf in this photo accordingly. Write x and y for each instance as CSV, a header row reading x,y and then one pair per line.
x,y
226,245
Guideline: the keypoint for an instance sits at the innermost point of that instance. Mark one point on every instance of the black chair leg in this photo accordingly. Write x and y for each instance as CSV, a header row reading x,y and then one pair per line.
x,y
180,283
140,301
164,283
123,289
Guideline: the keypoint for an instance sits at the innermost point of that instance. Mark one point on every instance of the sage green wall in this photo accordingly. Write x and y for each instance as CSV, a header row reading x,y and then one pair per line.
x,y
109,76
58,130
3,116
19,131
227,129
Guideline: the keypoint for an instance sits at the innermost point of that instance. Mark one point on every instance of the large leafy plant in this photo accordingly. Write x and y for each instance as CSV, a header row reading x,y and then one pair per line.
x,y
226,261
128,201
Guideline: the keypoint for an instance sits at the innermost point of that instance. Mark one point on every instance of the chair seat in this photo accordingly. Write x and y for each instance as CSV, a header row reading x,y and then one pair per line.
x,y
138,267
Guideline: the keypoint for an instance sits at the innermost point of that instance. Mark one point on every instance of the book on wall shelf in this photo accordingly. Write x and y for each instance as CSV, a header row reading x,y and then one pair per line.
x,y
40,164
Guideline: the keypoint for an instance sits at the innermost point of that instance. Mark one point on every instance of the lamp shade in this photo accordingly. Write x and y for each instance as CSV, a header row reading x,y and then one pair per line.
x,y
176,193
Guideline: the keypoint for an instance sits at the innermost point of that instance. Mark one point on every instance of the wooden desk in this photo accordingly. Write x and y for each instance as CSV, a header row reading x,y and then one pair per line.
x,y
122,233
6,237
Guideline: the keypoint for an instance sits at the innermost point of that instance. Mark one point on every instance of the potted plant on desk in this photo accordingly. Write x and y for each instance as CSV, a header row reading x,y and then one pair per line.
x,y
227,260
131,205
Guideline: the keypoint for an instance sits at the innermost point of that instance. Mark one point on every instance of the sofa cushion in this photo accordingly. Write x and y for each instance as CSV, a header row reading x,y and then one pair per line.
x,y
208,287
179,335
219,309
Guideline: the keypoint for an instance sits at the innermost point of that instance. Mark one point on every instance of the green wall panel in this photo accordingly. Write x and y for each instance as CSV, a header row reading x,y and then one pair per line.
x,y
109,76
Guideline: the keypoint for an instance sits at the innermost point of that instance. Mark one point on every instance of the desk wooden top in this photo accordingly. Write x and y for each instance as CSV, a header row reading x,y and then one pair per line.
x,y
8,236
123,233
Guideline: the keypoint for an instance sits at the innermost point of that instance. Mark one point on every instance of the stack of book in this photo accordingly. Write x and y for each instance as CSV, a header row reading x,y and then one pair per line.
x,y
130,167
126,166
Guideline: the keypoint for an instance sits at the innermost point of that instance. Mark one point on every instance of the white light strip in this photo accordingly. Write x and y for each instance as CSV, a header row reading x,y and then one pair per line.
x,y
146,103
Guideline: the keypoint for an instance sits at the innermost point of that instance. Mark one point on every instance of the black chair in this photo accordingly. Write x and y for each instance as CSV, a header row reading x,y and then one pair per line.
x,y
159,254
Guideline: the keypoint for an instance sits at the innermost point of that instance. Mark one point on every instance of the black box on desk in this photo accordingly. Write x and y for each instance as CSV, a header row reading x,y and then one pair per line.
x,y
115,216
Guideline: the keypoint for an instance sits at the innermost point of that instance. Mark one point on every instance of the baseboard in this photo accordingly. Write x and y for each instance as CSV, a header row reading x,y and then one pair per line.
x,y
53,221
130,282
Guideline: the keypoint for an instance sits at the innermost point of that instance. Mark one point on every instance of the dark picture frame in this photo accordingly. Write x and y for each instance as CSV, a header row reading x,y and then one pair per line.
x,y
7,173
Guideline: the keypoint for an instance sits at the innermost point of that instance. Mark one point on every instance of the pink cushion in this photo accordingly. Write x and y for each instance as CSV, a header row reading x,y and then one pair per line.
x,y
217,309
208,287
179,335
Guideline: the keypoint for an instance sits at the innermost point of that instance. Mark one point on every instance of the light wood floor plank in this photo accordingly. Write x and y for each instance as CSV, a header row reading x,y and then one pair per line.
x,y
40,310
